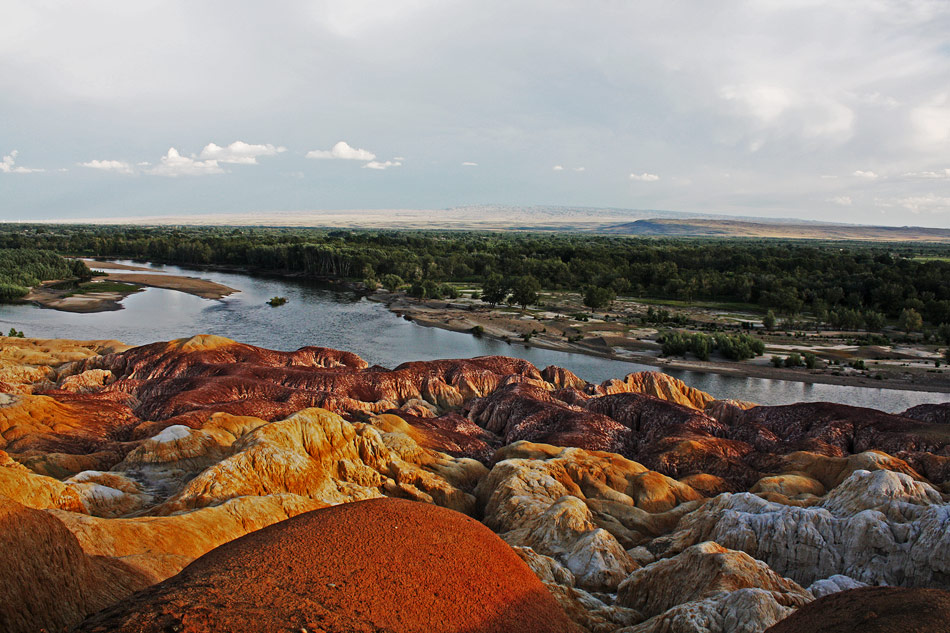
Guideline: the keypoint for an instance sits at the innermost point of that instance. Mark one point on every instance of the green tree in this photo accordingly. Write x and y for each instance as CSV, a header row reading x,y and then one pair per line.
x,y
943,333
525,291
769,320
495,290
873,321
392,282
910,320
598,298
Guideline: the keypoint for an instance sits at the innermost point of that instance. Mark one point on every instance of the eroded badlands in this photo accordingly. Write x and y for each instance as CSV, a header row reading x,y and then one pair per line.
x,y
132,479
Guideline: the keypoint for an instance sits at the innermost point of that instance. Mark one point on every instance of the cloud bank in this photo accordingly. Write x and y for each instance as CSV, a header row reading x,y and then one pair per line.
x,y
342,151
239,152
118,166
8,165
173,165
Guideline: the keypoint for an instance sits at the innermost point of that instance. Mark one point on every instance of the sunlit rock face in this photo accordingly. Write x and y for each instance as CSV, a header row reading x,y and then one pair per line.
x,y
639,504
336,570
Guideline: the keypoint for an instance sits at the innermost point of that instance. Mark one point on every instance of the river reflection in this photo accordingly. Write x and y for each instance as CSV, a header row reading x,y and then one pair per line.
x,y
317,314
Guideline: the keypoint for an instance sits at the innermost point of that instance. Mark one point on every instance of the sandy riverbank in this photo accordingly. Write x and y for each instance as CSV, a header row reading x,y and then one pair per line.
x,y
98,265
52,295
57,299
605,340
191,285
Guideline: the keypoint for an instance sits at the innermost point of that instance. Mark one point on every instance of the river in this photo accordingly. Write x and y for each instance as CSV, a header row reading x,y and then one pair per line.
x,y
318,314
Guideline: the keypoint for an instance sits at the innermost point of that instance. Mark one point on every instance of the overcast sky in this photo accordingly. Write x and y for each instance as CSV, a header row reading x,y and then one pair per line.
x,y
816,110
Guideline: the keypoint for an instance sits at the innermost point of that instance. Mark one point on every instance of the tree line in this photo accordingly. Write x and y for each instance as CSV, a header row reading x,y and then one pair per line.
x,y
23,268
851,284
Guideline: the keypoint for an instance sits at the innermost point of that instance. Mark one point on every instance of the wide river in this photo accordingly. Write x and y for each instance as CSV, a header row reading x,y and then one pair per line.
x,y
316,314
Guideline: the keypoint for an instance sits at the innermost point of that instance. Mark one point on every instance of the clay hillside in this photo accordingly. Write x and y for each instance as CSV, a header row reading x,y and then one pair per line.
x,y
206,485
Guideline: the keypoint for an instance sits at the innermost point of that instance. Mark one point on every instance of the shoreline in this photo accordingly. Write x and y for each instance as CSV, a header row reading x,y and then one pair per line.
x,y
461,322
418,312
92,302
47,295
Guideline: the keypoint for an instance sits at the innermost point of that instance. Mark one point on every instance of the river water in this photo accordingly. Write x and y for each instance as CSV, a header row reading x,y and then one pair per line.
x,y
318,314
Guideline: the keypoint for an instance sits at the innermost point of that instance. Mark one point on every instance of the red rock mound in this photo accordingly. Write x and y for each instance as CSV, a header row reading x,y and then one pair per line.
x,y
377,565
47,582
933,413
872,610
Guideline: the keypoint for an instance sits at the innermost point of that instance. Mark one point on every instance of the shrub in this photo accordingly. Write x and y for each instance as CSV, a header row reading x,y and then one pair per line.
x,y
793,360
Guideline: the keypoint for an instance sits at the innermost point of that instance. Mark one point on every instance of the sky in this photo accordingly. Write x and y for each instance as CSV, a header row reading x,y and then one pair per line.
x,y
834,111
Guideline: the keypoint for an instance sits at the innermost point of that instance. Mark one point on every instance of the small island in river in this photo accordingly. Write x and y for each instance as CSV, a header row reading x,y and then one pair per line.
x,y
107,290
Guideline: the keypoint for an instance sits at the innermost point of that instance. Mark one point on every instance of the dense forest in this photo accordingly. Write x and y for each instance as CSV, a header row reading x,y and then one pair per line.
x,y
844,284
22,268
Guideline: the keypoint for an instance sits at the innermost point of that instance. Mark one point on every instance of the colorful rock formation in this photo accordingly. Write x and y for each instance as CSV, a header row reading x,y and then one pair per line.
x,y
640,504
378,565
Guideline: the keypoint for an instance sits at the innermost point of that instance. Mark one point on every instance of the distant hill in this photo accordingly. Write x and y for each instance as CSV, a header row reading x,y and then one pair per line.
x,y
787,230
609,221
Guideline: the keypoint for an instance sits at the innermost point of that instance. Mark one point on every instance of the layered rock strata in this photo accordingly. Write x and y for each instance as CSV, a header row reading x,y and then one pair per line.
x,y
639,504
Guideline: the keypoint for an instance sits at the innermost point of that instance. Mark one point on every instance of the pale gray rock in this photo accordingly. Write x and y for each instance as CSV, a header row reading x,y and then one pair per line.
x,y
703,571
877,528
584,608
834,584
741,611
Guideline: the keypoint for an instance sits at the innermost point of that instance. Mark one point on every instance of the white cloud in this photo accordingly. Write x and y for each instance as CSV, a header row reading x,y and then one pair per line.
x,y
118,166
144,163
558,168
375,164
469,164
174,164
931,175
877,99
932,121
580,169
783,112
239,152
399,158
915,204
766,103
342,151
644,177
844,201
8,165
868,175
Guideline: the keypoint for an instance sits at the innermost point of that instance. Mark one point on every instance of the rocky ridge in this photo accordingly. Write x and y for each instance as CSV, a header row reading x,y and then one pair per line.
x,y
640,504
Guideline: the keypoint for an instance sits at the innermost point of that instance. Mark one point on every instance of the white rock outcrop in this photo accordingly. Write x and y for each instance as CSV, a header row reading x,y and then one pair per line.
x,y
878,527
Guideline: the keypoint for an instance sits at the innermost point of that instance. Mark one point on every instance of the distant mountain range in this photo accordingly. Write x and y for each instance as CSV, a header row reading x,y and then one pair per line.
x,y
789,230
609,221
